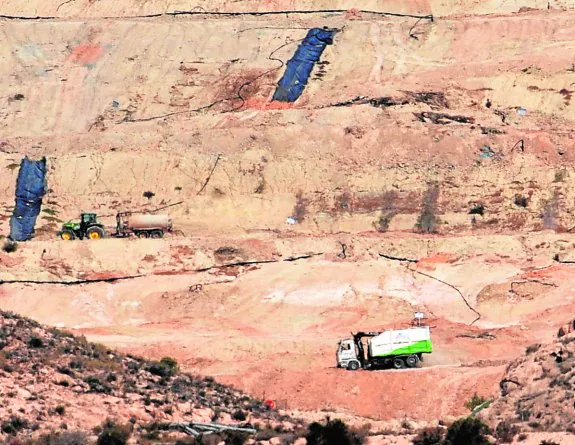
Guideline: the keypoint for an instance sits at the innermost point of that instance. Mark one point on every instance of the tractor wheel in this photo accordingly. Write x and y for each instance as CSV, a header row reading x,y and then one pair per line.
x,y
411,361
95,233
353,366
67,235
398,363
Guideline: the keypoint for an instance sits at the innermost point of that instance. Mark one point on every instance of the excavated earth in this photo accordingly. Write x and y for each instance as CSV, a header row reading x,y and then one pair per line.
x,y
468,114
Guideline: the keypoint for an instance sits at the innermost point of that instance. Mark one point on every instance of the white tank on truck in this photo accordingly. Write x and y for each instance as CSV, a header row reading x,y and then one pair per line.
x,y
397,348
142,225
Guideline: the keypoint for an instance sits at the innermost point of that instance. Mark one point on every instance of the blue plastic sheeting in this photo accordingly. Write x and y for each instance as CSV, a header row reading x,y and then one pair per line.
x,y
299,67
30,188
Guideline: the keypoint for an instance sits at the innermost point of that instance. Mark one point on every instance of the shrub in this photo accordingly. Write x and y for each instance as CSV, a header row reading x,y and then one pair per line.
x,y
235,437
113,434
521,201
506,431
60,410
429,436
148,194
13,425
468,431
300,208
96,385
475,402
427,220
239,415
10,246
63,438
166,367
383,222
35,342
478,209
334,432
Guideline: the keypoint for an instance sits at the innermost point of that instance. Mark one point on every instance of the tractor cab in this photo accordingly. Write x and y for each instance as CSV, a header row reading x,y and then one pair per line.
x,y
88,227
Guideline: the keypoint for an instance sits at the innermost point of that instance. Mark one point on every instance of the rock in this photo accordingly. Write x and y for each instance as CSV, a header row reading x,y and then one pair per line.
x,y
566,329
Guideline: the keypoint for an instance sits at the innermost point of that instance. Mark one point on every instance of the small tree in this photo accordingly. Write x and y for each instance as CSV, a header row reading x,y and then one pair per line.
x,y
475,402
468,431
114,434
334,432
427,221
429,436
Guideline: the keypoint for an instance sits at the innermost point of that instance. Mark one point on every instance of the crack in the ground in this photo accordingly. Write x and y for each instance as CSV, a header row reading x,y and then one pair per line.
x,y
436,279
72,282
21,17
249,263
395,258
235,14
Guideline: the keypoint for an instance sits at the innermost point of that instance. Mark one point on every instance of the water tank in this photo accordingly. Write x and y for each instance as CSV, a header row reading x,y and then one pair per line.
x,y
148,222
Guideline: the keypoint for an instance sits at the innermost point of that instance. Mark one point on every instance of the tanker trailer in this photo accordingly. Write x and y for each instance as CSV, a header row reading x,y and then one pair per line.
x,y
142,225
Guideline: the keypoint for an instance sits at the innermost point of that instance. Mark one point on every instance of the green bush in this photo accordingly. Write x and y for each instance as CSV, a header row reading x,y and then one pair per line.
x,y
113,434
239,415
475,402
167,367
468,431
13,425
10,246
35,342
334,432
429,436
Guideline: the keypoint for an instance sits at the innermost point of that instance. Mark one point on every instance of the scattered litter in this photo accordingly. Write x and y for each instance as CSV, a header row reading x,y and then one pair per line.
x,y
521,111
442,118
487,152
197,429
115,103
291,220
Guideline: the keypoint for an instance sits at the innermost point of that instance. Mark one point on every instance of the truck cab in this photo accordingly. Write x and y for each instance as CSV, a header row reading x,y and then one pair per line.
x,y
347,355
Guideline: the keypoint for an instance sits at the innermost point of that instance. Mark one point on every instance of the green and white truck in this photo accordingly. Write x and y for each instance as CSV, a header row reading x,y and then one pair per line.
x,y
397,348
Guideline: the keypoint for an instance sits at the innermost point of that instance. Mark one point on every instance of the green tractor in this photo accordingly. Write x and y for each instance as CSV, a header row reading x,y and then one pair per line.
x,y
88,227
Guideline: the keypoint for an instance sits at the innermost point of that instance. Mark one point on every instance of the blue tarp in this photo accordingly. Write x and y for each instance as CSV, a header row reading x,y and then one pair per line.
x,y
30,188
299,67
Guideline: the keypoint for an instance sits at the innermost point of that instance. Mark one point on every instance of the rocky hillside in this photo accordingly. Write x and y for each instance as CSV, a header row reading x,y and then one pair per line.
x,y
53,381
537,388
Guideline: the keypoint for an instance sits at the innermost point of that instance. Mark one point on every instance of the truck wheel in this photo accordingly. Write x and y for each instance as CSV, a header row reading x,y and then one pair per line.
x,y
67,235
411,361
157,234
95,233
142,234
353,366
398,363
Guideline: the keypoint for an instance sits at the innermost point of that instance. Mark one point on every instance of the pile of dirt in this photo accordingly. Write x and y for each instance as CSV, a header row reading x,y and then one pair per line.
x,y
537,388
52,381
